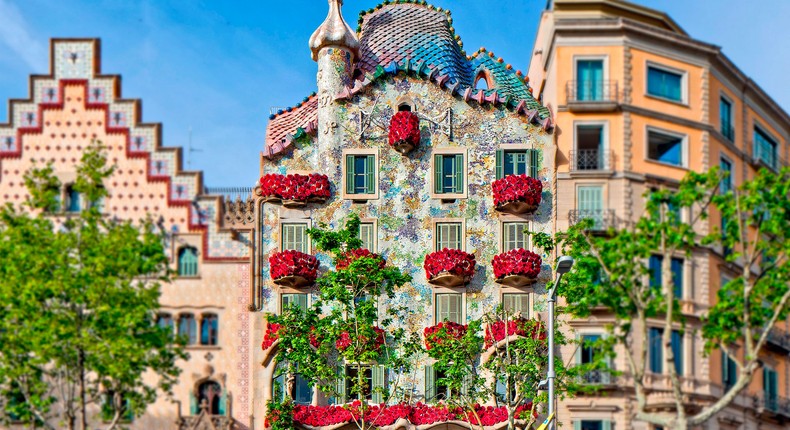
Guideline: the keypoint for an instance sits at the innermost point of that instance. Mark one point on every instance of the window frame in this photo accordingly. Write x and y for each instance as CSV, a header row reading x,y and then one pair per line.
x,y
604,124
667,69
503,232
307,222
435,232
724,98
291,292
464,152
513,292
731,177
198,263
448,291
66,204
357,152
190,341
204,319
590,57
771,138
374,222
684,142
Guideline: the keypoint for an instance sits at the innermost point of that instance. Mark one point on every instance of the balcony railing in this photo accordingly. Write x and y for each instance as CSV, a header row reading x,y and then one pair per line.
x,y
728,131
598,377
585,160
779,339
603,219
605,92
775,404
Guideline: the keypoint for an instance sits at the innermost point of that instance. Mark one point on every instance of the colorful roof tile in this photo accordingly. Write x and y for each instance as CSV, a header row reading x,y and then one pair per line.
x,y
290,124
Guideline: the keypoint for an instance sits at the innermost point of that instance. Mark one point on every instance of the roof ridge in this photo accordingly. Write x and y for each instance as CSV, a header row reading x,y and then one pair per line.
x,y
291,108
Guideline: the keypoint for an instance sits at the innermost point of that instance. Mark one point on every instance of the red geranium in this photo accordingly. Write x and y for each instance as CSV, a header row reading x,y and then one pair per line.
x,y
404,129
293,263
297,187
520,326
345,340
452,261
347,258
443,331
514,188
272,333
517,262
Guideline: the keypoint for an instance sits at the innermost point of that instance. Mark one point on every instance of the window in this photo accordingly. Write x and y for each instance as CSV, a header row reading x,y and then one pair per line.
x,y
517,162
516,302
448,308
303,392
299,300
434,390
514,236
677,351
209,327
665,84
726,182
770,389
589,204
481,81
211,397
187,261
448,172
449,235
294,236
666,148
165,321
73,199
725,118
586,354
368,235
352,375
108,407
589,80
593,425
589,152
729,371
677,274
361,174
765,148
656,353
187,327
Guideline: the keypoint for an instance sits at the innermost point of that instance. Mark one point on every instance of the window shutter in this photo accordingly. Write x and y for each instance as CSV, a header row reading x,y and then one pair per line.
x,y
459,174
466,383
499,165
578,355
370,174
454,310
442,307
223,403
533,163
725,364
430,383
508,303
606,375
438,174
606,425
301,300
577,425
341,385
193,404
378,374
349,174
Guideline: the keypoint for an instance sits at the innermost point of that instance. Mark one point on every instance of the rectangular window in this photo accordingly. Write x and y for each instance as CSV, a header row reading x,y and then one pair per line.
x,y
74,199
765,148
514,236
368,235
517,162
593,425
516,302
448,173
726,183
299,300
770,389
294,236
665,84
654,266
448,308
655,352
589,204
449,235
725,118
677,351
360,174
589,153
589,80
729,371
352,375
666,148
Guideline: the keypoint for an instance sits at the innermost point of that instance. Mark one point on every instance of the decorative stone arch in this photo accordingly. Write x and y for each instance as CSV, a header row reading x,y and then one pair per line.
x,y
207,376
405,102
269,364
484,75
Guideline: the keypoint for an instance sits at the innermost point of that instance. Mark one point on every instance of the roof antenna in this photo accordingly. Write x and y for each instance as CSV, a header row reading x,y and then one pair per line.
x,y
190,150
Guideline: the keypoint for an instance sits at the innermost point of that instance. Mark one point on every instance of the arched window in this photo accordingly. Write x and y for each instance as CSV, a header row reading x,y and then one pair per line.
x,y
208,329
303,392
187,327
165,320
187,261
404,107
73,199
481,81
211,397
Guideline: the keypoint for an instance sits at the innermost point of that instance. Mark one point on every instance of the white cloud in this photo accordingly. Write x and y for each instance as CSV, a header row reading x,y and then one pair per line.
x,y
15,34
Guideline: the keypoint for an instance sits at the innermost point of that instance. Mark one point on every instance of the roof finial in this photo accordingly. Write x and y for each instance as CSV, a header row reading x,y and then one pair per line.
x,y
334,32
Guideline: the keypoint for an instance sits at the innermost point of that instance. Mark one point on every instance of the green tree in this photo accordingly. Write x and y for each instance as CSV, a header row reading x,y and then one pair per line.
x,y
612,271
78,304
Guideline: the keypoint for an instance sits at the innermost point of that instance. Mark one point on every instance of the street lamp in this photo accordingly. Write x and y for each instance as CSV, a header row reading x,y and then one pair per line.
x,y
563,266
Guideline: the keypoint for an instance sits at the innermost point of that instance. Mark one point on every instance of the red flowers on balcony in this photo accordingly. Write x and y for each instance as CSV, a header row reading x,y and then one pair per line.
x,y
443,332
449,267
295,190
517,267
404,134
293,268
355,254
517,194
345,340
499,330
271,335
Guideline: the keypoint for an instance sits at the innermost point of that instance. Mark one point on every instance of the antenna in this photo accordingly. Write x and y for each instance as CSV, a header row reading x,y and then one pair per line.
x,y
190,150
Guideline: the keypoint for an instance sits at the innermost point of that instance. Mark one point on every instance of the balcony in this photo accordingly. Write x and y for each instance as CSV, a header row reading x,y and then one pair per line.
x,y
598,377
590,160
592,96
773,405
779,340
603,219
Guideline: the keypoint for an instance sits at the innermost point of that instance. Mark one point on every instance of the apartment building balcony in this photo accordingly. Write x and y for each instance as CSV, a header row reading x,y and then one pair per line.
x,y
604,378
603,219
592,96
778,340
773,406
586,162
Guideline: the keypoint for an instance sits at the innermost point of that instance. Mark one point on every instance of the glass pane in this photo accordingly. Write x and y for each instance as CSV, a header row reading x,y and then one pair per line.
x,y
591,425
677,351
665,84
74,200
589,80
654,266
726,183
360,172
448,168
588,351
515,162
589,147
655,351
665,148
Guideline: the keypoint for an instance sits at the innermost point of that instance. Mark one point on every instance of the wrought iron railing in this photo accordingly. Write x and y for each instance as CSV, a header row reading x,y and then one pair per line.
x,y
592,92
779,338
603,219
776,404
230,192
590,159
598,377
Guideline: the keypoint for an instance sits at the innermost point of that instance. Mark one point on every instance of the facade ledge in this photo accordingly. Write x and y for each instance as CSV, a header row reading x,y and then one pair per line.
x,y
580,106
586,174
591,406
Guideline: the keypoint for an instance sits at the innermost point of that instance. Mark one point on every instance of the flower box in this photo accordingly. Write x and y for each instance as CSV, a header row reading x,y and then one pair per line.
x,y
344,260
517,194
517,267
449,267
345,340
294,190
524,327
442,332
404,133
294,269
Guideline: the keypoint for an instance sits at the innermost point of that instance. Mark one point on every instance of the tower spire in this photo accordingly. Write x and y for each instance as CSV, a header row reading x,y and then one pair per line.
x,y
334,32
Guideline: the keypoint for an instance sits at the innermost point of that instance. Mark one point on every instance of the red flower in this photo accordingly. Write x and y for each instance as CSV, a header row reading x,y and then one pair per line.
x,y
454,261
272,333
345,340
514,188
293,263
517,262
441,332
295,187
347,258
404,128
521,326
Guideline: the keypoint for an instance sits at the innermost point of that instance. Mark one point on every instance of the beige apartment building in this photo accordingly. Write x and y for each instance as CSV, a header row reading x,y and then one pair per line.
x,y
638,103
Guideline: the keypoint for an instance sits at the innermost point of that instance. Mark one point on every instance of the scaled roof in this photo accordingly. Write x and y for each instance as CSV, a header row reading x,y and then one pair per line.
x,y
414,37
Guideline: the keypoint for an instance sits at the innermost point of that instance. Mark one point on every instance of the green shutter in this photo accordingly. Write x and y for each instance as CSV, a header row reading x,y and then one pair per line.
x,y
349,174
193,404
341,385
606,425
606,376
437,174
370,174
578,355
459,174
430,383
223,403
724,366
301,300
533,163
577,425
466,383
378,374
500,168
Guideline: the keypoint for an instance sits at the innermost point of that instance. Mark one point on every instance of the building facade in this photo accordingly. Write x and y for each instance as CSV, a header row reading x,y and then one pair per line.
x,y
638,103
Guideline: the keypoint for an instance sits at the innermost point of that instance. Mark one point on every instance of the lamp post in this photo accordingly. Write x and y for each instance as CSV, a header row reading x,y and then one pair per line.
x,y
563,266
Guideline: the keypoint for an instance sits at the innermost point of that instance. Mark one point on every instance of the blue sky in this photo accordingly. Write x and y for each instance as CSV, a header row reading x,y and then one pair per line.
x,y
217,66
